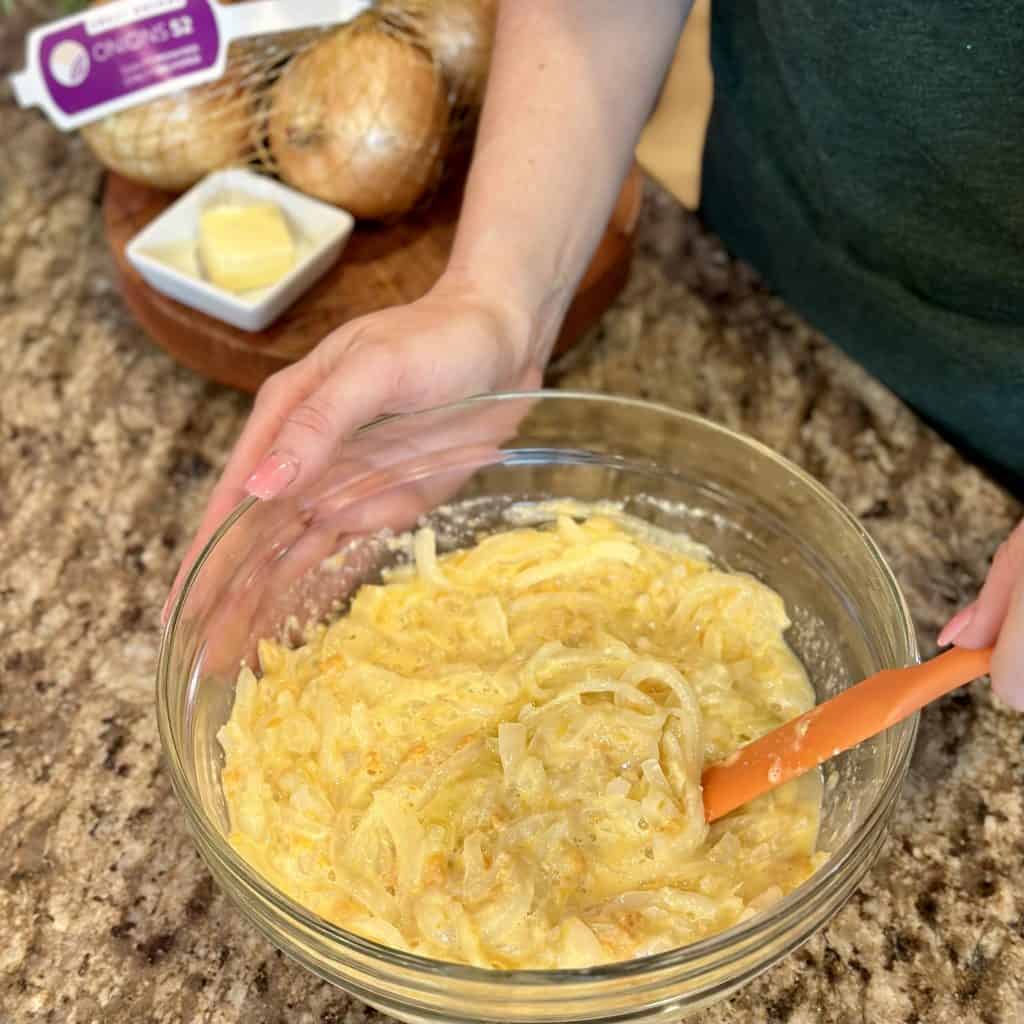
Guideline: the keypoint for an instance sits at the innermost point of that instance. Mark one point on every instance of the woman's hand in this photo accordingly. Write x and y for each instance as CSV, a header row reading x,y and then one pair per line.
x,y
569,89
452,343
997,617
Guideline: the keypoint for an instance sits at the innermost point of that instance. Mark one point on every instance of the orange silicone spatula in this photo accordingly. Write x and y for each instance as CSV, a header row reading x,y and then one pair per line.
x,y
844,721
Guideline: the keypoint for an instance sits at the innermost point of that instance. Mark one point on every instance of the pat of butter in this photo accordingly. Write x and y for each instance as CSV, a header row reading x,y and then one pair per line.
x,y
245,247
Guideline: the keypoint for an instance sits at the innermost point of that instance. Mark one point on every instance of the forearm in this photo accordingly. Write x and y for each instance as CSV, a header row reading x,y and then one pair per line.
x,y
572,83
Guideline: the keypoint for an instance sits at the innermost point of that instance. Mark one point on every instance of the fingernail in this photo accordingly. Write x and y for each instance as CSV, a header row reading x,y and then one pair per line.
x,y
272,476
956,625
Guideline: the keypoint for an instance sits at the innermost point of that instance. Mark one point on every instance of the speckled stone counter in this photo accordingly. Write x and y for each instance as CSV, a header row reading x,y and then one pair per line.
x,y
107,453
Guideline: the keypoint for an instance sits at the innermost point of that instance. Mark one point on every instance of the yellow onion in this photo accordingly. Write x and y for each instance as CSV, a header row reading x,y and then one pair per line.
x,y
173,141
359,120
459,34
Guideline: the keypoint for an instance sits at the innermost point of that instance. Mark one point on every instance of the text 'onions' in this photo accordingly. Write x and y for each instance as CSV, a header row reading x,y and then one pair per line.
x,y
360,120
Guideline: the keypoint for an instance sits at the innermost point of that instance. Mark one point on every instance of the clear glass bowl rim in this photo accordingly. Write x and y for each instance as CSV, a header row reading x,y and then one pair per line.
x,y
710,949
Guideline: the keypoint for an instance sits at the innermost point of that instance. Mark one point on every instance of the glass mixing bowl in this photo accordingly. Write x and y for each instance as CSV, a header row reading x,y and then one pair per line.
x,y
277,565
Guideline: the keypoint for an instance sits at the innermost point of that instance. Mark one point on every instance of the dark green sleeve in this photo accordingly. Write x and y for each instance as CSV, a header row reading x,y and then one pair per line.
x,y
868,159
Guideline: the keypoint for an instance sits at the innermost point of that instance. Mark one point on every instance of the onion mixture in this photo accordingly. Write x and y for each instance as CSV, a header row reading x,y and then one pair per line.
x,y
494,757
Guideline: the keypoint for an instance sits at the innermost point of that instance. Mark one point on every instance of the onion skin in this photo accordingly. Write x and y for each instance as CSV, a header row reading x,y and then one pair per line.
x,y
172,142
360,120
459,34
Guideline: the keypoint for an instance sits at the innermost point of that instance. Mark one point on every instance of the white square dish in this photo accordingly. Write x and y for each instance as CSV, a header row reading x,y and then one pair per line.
x,y
164,252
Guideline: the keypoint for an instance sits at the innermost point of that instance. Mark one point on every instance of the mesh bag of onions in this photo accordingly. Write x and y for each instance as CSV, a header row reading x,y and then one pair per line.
x,y
368,115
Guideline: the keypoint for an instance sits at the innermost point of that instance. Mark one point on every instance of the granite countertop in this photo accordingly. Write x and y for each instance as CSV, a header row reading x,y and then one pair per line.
x,y
107,453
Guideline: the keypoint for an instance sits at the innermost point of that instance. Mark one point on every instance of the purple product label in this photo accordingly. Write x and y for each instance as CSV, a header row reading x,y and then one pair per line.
x,y
107,56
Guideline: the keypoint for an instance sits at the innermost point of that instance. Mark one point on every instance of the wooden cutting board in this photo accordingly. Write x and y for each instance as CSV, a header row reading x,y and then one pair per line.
x,y
380,266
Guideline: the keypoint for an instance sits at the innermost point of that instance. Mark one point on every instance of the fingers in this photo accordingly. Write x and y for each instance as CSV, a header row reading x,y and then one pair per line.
x,y
997,617
979,624
378,373
1008,659
300,416
951,631
274,400
433,352
361,386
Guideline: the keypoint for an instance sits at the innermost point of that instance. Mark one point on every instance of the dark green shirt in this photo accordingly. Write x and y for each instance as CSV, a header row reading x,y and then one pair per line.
x,y
867,157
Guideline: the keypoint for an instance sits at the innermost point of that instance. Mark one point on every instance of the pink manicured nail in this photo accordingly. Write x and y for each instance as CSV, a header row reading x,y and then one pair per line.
x,y
956,625
272,476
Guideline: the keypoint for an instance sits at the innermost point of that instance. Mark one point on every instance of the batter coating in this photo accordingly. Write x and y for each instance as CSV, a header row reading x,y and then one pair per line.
x,y
494,757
